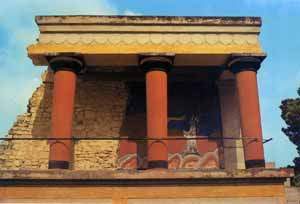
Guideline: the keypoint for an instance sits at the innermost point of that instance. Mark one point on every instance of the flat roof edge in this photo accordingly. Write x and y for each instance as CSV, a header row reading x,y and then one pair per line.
x,y
145,174
150,20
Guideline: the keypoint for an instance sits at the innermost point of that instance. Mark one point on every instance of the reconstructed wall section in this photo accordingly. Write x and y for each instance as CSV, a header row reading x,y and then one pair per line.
x,y
109,108
99,109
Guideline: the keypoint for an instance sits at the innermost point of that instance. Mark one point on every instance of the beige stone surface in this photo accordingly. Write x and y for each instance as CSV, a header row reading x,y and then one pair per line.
x,y
144,39
233,148
147,176
292,195
99,110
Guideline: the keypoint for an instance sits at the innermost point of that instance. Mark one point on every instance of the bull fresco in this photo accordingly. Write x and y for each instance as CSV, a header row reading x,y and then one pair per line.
x,y
193,114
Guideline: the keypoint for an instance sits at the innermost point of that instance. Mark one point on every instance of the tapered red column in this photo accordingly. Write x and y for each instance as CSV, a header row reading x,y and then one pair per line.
x,y
156,69
65,74
245,71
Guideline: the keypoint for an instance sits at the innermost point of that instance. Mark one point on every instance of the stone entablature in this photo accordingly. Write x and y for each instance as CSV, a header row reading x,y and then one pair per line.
x,y
102,40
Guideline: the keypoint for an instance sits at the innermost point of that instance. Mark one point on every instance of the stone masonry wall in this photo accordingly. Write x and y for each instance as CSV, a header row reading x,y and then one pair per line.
x,y
99,110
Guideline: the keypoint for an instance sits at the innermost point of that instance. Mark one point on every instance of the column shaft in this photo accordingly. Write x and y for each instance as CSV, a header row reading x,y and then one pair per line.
x,y
62,114
157,113
250,118
65,75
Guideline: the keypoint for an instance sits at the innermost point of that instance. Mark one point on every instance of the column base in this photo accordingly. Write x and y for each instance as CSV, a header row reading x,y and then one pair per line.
x,y
58,165
158,164
255,164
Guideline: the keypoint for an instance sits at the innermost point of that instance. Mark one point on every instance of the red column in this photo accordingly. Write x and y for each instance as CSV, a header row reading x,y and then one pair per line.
x,y
245,71
157,109
65,74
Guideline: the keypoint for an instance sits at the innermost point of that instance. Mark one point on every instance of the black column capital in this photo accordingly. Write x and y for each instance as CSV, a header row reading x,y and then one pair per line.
x,y
244,63
66,64
153,62
255,164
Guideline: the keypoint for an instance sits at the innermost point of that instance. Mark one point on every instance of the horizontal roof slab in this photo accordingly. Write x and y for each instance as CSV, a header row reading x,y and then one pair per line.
x,y
149,20
118,40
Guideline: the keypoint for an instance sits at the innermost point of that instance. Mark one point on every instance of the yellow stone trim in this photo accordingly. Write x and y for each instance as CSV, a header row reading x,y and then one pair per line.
x,y
45,49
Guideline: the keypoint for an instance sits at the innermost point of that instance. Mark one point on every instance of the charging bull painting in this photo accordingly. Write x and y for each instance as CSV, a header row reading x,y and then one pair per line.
x,y
193,115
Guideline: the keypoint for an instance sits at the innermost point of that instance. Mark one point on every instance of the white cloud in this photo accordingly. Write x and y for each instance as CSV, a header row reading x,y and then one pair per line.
x,y
131,13
18,15
17,29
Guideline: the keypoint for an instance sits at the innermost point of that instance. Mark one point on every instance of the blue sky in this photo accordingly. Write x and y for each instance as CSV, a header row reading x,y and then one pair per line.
x,y
279,76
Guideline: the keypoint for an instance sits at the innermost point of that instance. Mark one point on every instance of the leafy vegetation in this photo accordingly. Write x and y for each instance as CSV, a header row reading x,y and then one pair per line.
x,y
290,113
